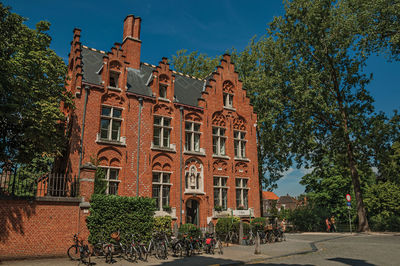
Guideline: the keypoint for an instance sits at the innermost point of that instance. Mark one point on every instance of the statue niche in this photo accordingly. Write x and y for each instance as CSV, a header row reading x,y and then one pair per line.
x,y
194,176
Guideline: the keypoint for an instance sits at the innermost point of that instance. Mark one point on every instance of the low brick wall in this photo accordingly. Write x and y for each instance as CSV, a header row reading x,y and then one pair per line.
x,y
39,228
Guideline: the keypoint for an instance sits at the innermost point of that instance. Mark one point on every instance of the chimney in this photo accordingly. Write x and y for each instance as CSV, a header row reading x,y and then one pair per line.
x,y
131,42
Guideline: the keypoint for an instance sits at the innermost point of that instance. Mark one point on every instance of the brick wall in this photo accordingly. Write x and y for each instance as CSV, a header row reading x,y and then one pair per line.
x,y
39,228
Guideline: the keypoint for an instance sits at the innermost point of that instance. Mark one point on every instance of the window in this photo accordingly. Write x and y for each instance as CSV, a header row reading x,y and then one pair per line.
x,y
162,131
111,176
242,193
161,189
192,136
240,144
114,79
163,91
220,192
228,100
110,123
218,140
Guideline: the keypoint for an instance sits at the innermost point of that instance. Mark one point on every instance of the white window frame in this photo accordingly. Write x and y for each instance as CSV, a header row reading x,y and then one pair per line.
x,y
239,143
111,119
220,187
218,137
107,170
192,133
228,99
243,186
161,185
162,130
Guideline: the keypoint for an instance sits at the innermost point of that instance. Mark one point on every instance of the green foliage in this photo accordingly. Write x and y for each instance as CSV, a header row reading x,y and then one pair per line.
x,y
383,206
130,215
32,91
190,230
100,184
308,218
163,224
226,224
258,223
195,64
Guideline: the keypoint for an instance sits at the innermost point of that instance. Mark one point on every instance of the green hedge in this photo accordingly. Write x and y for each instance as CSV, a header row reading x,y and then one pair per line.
x,y
224,225
258,224
130,215
190,229
162,224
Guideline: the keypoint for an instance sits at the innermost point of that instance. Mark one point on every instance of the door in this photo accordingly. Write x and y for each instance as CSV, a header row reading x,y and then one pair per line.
x,y
192,212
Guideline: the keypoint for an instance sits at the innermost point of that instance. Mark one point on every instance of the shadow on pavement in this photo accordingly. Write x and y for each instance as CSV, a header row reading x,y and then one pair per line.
x,y
282,264
353,262
201,260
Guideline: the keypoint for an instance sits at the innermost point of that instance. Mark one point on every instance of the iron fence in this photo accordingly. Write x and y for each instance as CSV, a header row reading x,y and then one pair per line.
x,y
14,184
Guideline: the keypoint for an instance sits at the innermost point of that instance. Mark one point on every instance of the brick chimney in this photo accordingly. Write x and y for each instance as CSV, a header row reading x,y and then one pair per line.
x,y
131,42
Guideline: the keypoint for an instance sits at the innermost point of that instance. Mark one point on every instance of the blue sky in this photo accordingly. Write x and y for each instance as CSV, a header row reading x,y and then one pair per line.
x,y
210,27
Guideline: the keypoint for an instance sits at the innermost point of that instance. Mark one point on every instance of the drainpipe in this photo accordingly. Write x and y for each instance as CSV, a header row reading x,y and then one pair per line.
x,y
83,130
138,146
180,166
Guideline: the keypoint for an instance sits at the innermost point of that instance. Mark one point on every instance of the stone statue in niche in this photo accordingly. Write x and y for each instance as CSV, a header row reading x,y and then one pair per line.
x,y
192,178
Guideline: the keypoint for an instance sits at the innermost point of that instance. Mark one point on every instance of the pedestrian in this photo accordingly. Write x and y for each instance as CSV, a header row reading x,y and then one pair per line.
x,y
328,224
283,225
333,224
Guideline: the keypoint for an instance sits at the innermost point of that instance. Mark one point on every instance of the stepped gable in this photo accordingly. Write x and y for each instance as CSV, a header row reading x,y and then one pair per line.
x,y
188,89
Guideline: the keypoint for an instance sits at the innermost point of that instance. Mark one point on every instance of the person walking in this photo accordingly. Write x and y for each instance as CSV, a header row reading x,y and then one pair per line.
x,y
333,224
328,224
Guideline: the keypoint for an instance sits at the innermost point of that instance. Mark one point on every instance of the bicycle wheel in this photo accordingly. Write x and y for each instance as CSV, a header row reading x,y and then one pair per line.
x,y
178,250
85,255
219,247
74,253
131,254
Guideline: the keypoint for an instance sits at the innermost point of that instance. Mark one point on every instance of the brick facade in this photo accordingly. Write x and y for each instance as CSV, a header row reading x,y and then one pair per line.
x,y
187,99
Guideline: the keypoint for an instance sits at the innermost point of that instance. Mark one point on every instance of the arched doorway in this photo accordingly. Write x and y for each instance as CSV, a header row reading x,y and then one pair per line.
x,y
192,212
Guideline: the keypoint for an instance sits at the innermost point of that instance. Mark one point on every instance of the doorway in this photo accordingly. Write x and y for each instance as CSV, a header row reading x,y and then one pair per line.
x,y
192,212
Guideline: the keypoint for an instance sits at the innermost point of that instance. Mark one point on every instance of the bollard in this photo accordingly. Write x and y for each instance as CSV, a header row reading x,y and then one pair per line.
x,y
257,251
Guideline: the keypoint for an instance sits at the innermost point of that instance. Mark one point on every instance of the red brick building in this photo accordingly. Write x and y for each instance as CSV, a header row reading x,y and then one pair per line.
x,y
188,142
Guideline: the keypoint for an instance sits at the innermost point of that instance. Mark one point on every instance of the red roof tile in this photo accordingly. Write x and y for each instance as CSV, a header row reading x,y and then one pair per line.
x,y
268,195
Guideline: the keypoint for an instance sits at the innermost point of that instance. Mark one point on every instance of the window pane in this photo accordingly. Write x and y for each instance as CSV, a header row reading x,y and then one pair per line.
x,y
230,97
238,182
238,196
165,195
225,99
222,146
156,177
223,181
215,143
156,136
106,111
163,91
222,132
243,135
116,126
188,141
245,201
196,142
156,195
167,122
117,113
243,149
166,177
188,126
236,134
216,197
215,131
113,188
113,174
166,137
157,120
105,124
224,198
216,181
244,184
196,127
236,144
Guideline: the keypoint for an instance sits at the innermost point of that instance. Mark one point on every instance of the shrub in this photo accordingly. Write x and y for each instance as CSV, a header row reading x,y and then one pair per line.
x,y
163,224
100,184
224,225
190,230
258,224
308,218
130,215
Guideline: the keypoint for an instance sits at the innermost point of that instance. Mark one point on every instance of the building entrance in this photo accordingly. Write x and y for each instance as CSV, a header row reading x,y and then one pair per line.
x,y
192,212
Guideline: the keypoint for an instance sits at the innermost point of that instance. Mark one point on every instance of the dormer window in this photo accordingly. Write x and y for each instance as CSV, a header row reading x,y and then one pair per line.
x,y
113,82
163,91
228,100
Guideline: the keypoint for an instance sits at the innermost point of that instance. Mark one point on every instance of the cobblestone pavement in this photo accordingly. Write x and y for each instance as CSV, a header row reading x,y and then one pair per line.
x,y
306,248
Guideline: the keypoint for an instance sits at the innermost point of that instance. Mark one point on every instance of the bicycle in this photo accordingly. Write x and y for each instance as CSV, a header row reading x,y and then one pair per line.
x,y
231,237
79,251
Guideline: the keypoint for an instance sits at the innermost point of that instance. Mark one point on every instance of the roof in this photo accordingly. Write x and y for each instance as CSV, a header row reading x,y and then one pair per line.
x,y
269,195
187,89
286,199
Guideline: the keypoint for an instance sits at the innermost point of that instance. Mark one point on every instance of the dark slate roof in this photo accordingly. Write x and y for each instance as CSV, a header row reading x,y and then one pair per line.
x,y
92,62
286,199
187,89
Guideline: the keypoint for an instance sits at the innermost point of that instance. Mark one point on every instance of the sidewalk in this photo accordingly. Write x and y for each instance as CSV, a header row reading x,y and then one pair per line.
x,y
233,255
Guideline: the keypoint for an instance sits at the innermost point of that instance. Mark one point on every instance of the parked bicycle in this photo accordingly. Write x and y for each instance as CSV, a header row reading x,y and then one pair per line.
x,y
79,251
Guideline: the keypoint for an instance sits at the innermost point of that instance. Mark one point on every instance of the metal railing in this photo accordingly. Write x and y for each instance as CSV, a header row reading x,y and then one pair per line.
x,y
49,185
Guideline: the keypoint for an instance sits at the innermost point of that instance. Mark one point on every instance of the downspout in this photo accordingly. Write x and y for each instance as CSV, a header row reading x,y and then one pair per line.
x,y
83,131
138,146
180,165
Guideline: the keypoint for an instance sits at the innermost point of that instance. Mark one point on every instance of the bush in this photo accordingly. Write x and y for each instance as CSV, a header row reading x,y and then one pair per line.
x,y
308,218
382,223
162,224
130,215
100,184
258,224
190,230
224,225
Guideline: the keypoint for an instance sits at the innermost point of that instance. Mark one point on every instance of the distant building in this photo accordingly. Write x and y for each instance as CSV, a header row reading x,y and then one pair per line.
x,y
287,202
269,200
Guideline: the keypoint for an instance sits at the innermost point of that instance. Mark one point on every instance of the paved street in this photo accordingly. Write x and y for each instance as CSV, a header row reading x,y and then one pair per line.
x,y
299,249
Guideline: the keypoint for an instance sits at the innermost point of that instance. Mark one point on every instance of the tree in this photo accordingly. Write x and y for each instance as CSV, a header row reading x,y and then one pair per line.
x,y
31,92
195,64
